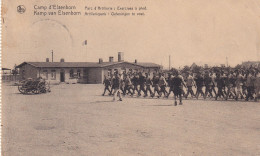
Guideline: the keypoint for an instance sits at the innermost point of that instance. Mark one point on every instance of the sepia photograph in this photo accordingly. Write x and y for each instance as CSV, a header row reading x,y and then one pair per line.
x,y
130,78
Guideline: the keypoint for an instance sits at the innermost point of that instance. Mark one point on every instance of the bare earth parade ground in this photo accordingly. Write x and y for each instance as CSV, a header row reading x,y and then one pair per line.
x,y
75,120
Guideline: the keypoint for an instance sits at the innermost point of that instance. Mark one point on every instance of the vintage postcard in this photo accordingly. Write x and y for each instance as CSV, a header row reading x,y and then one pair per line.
x,y
130,77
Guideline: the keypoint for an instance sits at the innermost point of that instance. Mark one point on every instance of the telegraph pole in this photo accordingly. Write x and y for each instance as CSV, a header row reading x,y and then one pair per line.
x,y
257,53
85,43
169,62
51,55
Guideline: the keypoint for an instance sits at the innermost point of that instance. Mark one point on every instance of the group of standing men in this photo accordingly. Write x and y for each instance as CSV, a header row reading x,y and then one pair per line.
x,y
237,84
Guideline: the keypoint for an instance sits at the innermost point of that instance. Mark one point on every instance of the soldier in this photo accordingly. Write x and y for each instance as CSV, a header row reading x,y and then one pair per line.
x,y
199,83
208,85
257,86
250,80
111,78
178,83
231,86
225,79
239,84
155,81
128,85
107,84
116,84
189,83
122,86
213,77
170,84
162,85
135,80
141,84
148,83
182,77
220,86
244,88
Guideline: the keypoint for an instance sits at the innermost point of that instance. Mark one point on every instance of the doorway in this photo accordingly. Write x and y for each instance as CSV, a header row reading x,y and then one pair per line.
x,y
62,76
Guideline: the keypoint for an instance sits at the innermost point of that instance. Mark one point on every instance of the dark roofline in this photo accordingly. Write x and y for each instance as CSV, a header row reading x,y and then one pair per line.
x,y
6,69
85,64
20,65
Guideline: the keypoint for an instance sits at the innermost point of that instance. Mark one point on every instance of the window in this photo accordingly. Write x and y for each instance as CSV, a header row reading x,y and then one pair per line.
x,y
78,73
45,74
53,74
71,73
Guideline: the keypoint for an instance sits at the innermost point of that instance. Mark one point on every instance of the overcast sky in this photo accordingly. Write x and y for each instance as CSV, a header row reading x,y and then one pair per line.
x,y
200,31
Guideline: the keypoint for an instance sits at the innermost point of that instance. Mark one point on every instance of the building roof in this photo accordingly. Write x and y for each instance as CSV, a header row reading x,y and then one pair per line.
x,y
6,69
148,64
84,64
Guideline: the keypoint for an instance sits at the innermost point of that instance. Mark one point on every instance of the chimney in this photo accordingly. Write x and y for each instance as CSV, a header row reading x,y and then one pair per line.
x,y
135,60
111,59
100,60
62,60
47,60
120,57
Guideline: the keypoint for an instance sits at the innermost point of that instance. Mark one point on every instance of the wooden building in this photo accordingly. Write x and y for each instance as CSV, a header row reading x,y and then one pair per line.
x,y
82,72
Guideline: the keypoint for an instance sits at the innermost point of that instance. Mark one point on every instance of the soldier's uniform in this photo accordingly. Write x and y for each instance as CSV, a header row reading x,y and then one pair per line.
x,y
156,85
244,87
148,83
162,85
177,82
239,84
135,80
141,84
213,78
257,86
199,83
170,84
220,86
208,85
189,83
116,84
128,85
231,86
225,79
107,84
122,86
250,80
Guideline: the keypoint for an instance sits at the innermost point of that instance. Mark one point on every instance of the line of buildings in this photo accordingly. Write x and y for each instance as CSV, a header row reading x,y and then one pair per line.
x,y
82,72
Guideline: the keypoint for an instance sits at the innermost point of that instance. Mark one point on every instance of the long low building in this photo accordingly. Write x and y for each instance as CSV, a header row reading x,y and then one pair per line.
x,y
83,72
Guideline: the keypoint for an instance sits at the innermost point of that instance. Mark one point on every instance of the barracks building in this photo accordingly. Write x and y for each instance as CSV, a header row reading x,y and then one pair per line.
x,y
82,72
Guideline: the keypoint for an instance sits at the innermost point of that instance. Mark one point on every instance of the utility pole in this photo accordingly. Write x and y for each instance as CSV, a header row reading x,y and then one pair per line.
x,y
257,55
169,62
85,43
51,55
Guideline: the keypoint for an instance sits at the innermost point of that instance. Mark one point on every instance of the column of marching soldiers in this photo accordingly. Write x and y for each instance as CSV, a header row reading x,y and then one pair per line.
x,y
237,85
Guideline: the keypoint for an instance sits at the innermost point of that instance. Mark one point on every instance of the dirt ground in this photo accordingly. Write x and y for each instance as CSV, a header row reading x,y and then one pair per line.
x,y
75,120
